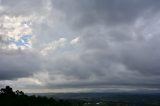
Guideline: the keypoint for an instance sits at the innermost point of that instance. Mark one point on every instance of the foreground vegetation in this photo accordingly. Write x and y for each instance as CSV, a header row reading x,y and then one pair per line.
x,y
10,98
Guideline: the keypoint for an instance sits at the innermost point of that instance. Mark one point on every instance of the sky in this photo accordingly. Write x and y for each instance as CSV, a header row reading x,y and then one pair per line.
x,y
80,45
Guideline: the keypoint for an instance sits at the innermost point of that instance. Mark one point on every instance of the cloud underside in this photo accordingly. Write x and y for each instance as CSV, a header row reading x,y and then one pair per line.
x,y
90,45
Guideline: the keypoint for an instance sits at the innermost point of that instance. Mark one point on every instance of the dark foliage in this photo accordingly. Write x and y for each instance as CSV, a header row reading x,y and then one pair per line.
x,y
10,98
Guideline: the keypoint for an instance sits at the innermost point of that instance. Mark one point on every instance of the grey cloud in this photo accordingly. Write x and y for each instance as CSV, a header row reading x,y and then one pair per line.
x,y
18,64
105,85
143,56
118,44
109,12
113,48
93,70
22,7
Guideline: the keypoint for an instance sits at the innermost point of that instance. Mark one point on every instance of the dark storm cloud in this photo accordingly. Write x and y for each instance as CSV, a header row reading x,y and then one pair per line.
x,y
103,84
109,12
119,43
18,64
143,56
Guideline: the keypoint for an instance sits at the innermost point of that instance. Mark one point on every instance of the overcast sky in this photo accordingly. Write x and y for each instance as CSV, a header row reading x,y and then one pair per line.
x,y
80,45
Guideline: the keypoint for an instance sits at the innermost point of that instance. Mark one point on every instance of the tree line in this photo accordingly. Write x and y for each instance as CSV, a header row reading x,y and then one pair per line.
x,y
8,97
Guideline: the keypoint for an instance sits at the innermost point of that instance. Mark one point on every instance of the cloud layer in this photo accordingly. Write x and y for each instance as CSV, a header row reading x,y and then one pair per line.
x,y
105,45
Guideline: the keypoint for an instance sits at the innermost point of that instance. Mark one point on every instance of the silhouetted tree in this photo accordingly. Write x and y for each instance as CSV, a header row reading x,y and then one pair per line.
x,y
7,91
19,92
10,98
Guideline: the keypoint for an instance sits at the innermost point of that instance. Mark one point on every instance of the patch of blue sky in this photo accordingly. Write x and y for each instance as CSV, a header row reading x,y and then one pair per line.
x,y
22,41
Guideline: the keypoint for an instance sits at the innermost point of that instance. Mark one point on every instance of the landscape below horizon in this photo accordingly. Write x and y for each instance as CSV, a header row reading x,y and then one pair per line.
x,y
17,98
109,99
